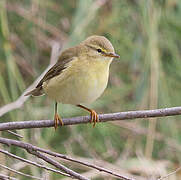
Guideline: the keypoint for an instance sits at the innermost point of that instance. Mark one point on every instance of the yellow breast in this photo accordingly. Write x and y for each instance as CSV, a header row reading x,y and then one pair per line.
x,y
80,82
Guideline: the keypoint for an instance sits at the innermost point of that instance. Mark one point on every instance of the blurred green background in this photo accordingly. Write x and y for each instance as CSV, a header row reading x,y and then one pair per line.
x,y
147,36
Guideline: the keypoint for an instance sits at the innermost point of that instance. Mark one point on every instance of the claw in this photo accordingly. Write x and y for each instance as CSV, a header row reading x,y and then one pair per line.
x,y
94,115
94,118
56,120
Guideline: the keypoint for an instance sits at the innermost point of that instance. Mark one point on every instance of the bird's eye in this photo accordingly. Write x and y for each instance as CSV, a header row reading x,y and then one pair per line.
x,y
99,50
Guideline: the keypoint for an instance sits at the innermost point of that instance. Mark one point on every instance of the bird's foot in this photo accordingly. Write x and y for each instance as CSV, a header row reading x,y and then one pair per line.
x,y
94,117
57,119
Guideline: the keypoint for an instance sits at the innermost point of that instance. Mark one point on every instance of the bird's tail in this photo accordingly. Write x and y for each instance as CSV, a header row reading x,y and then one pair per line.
x,y
36,92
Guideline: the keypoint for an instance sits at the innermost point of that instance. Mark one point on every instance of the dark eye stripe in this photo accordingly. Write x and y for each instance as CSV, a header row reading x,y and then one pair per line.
x,y
98,50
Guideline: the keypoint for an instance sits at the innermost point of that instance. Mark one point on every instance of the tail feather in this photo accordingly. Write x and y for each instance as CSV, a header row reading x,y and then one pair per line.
x,y
35,92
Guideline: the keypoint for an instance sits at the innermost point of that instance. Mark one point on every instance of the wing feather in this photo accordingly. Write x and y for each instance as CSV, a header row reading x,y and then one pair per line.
x,y
66,57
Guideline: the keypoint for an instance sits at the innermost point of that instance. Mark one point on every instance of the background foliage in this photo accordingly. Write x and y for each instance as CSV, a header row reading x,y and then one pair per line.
x,y
145,33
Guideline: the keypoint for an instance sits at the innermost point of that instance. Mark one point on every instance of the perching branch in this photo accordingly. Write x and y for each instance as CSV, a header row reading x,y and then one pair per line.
x,y
85,119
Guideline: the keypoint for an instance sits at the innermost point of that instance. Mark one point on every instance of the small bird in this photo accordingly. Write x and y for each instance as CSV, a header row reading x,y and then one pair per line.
x,y
79,76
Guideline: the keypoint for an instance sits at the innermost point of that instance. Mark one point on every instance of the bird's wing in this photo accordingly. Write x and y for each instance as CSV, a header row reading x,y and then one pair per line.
x,y
66,57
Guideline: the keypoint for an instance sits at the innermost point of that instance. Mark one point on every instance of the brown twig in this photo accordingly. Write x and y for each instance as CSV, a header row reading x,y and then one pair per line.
x,y
15,134
57,165
18,172
85,119
172,173
4,177
28,146
32,163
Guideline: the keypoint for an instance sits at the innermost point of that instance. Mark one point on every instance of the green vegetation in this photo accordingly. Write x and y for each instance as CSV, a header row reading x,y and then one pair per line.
x,y
147,36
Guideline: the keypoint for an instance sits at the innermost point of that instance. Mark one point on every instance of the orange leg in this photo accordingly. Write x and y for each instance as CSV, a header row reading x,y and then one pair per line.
x,y
57,118
94,115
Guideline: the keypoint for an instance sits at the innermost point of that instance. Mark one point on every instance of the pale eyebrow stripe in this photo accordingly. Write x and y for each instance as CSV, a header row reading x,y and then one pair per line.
x,y
103,50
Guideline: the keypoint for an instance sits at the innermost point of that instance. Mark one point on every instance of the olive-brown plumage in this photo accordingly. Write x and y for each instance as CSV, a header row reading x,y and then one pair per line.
x,y
79,76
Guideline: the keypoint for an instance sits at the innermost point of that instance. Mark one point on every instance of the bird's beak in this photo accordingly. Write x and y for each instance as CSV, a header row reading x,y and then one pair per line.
x,y
112,55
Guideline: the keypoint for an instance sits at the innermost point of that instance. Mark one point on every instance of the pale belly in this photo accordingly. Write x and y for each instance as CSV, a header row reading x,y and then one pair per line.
x,y
69,89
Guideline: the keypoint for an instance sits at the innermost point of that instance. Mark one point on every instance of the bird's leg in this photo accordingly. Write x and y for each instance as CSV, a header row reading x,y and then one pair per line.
x,y
94,115
57,118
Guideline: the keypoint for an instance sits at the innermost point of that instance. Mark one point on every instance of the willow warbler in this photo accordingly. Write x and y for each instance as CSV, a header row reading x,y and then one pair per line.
x,y
79,76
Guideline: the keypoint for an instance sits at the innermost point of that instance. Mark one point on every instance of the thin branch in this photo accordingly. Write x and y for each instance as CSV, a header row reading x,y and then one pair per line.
x,y
85,119
32,163
174,172
58,165
28,147
15,134
21,100
20,173
4,177
35,148
83,163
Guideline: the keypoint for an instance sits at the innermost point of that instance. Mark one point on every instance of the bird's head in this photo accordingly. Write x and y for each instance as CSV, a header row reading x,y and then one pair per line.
x,y
99,47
